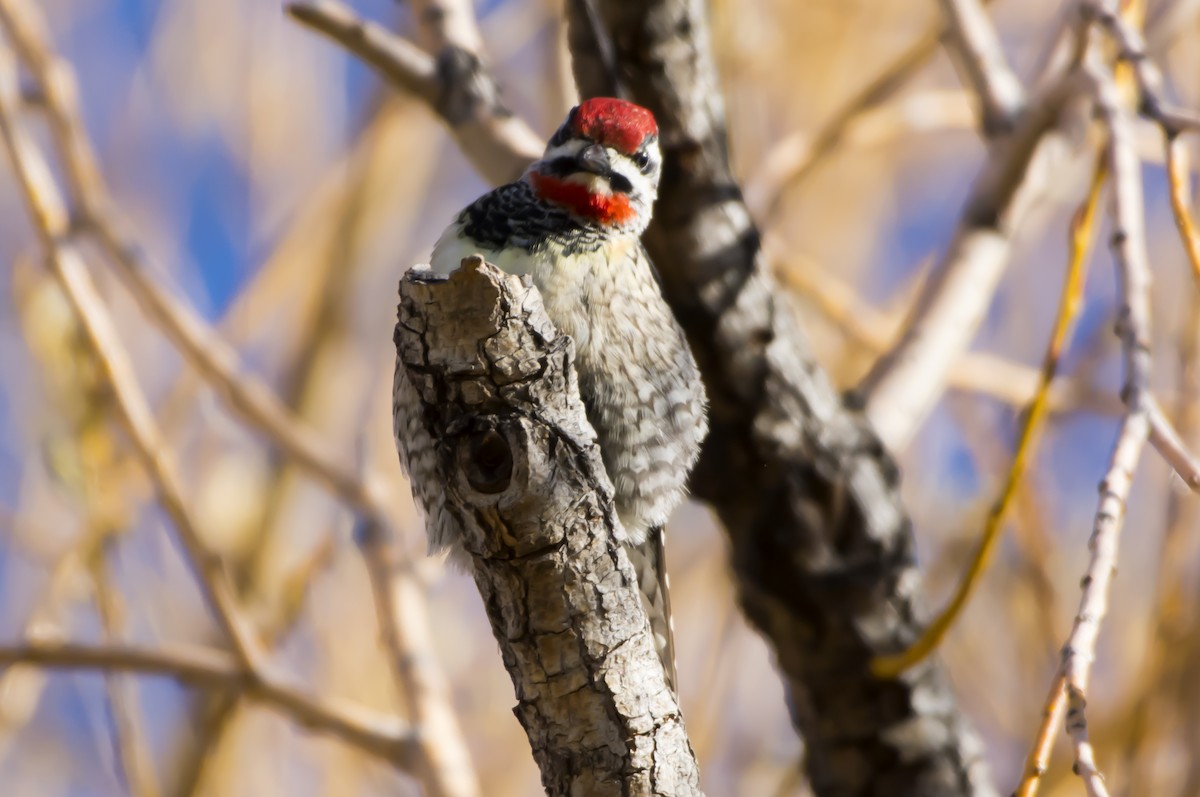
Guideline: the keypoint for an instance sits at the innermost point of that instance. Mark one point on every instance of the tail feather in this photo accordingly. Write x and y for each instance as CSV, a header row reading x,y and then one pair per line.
x,y
649,561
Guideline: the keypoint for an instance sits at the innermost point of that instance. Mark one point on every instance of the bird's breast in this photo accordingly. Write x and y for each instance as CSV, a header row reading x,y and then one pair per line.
x,y
578,290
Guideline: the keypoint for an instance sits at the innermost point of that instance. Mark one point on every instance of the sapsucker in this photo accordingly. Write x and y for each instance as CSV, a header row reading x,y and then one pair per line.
x,y
573,224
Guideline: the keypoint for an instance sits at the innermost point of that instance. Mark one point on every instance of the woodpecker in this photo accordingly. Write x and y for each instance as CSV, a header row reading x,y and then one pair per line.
x,y
573,223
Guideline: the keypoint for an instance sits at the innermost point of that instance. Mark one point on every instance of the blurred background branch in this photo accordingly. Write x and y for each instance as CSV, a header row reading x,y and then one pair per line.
x,y
443,766
454,80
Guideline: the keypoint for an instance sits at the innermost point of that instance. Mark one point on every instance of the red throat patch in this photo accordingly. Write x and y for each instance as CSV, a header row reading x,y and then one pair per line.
x,y
615,123
608,209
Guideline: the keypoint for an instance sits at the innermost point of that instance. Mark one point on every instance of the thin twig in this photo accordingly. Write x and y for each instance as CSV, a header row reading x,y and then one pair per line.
x,y
1177,180
1133,268
48,211
1038,758
205,667
404,625
1080,649
128,732
1170,445
251,397
1167,660
1153,104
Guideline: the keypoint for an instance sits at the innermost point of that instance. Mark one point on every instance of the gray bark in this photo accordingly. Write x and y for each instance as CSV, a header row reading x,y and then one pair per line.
x,y
524,478
822,547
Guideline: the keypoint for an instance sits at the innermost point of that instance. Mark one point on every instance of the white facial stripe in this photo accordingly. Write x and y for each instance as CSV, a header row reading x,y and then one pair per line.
x,y
643,185
568,149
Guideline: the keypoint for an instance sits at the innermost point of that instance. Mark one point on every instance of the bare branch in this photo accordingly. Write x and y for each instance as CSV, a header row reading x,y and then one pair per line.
x,y
1001,95
1174,120
1155,711
499,144
400,603
1038,758
1080,648
1083,230
446,768
1133,269
1177,180
1170,445
1143,420
525,481
48,211
442,24
977,372
123,705
212,356
214,669
904,385
1128,242
402,63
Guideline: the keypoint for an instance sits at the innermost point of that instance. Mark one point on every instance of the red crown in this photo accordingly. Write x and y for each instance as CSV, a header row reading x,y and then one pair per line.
x,y
615,123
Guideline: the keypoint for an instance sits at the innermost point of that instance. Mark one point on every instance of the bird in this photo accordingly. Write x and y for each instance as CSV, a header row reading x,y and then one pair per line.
x,y
573,223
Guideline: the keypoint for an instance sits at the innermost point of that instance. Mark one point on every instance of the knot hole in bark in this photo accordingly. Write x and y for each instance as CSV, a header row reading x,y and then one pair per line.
x,y
488,462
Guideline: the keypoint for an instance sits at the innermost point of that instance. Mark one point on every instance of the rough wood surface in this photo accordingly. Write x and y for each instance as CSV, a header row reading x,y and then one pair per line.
x,y
822,547
524,477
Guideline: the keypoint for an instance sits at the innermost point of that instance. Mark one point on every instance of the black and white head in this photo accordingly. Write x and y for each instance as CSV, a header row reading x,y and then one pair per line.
x,y
603,164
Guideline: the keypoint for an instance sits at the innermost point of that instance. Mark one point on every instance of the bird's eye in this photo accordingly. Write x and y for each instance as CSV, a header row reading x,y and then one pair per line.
x,y
642,160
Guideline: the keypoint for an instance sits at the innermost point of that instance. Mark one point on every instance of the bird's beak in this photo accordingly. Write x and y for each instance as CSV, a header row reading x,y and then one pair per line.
x,y
594,159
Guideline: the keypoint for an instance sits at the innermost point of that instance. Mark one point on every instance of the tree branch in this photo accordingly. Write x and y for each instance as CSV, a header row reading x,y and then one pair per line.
x,y
1133,327
48,211
445,764
1001,95
822,548
975,372
1173,119
454,82
212,668
523,478
904,385
1170,445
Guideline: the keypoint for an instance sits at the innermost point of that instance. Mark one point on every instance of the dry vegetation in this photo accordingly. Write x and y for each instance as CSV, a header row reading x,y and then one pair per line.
x,y
204,529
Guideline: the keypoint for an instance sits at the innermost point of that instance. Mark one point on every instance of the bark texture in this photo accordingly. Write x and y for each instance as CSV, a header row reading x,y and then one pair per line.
x,y
822,547
524,478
